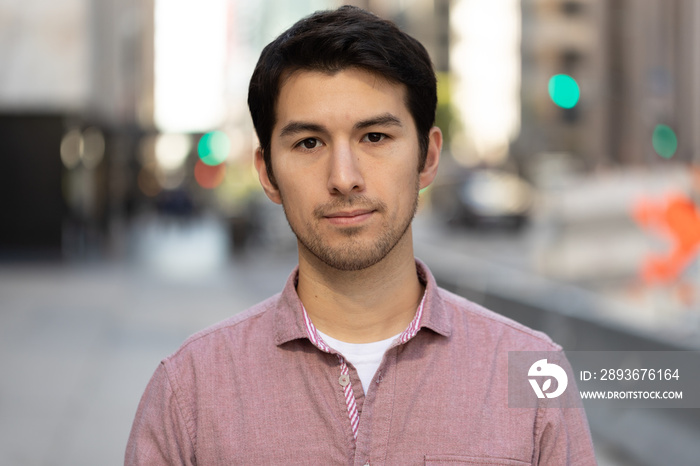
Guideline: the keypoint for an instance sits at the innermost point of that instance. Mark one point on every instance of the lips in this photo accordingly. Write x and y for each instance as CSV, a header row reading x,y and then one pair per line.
x,y
350,217
353,213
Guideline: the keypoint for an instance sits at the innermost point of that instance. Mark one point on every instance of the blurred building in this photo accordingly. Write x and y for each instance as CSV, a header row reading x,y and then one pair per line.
x,y
637,65
43,85
562,37
653,77
426,20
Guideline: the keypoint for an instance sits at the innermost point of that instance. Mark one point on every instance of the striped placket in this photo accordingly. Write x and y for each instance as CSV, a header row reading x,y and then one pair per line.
x,y
344,378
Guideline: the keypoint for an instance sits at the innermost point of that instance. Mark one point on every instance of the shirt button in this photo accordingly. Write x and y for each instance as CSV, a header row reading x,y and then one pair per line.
x,y
344,380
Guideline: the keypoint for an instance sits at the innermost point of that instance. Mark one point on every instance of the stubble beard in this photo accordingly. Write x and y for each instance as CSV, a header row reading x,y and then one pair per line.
x,y
353,254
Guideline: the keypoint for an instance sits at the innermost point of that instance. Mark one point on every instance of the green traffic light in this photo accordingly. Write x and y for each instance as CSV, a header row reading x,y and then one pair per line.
x,y
664,141
213,147
564,90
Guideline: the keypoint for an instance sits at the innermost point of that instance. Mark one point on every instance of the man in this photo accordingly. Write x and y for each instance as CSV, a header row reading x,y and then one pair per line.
x,y
361,359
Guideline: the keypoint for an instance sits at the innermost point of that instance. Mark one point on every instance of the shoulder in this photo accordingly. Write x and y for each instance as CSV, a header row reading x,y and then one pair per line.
x,y
485,326
248,327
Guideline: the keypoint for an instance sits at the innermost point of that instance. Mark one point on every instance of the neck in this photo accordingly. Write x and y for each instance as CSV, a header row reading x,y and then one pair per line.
x,y
366,305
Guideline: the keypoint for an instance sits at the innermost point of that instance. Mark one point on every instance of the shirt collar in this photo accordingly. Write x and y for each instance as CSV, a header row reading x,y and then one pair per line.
x,y
290,324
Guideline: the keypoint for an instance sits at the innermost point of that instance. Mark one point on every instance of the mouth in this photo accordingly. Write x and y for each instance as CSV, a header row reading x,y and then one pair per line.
x,y
350,217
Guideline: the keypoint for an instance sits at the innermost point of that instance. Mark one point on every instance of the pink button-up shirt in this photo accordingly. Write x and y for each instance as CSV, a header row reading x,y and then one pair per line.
x,y
255,389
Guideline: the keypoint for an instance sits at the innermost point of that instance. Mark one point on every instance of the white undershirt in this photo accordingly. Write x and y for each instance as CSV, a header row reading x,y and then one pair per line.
x,y
366,357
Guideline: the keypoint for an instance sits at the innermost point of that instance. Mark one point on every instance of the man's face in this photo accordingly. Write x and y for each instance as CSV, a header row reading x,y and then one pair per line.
x,y
345,157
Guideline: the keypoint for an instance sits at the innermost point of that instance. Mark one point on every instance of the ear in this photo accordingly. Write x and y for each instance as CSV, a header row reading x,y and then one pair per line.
x,y
268,186
432,160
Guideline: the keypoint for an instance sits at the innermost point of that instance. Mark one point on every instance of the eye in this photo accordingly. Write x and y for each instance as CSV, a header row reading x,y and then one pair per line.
x,y
374,137
310,143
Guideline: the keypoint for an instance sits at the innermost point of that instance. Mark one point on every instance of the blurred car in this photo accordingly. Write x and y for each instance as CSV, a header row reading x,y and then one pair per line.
x,y
484,197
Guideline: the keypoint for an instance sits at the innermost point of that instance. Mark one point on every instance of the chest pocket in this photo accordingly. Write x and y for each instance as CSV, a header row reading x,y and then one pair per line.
x,y
454,460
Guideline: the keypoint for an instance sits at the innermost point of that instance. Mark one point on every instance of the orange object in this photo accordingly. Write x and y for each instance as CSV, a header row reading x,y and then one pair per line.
x,y
680,219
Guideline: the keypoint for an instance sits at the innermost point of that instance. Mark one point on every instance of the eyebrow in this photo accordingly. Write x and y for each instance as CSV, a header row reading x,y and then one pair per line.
x,y
295,127
387,119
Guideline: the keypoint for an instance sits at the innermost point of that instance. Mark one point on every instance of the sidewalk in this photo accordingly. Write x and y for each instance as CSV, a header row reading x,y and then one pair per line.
x,y
78,345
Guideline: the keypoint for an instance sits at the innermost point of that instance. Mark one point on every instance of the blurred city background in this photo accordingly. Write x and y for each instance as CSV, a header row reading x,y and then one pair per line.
x,y
567,197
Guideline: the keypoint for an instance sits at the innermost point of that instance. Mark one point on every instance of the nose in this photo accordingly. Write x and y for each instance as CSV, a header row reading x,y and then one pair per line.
x,y
345,175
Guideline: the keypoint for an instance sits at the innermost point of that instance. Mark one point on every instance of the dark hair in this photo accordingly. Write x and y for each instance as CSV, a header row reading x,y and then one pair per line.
x,y
334,40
